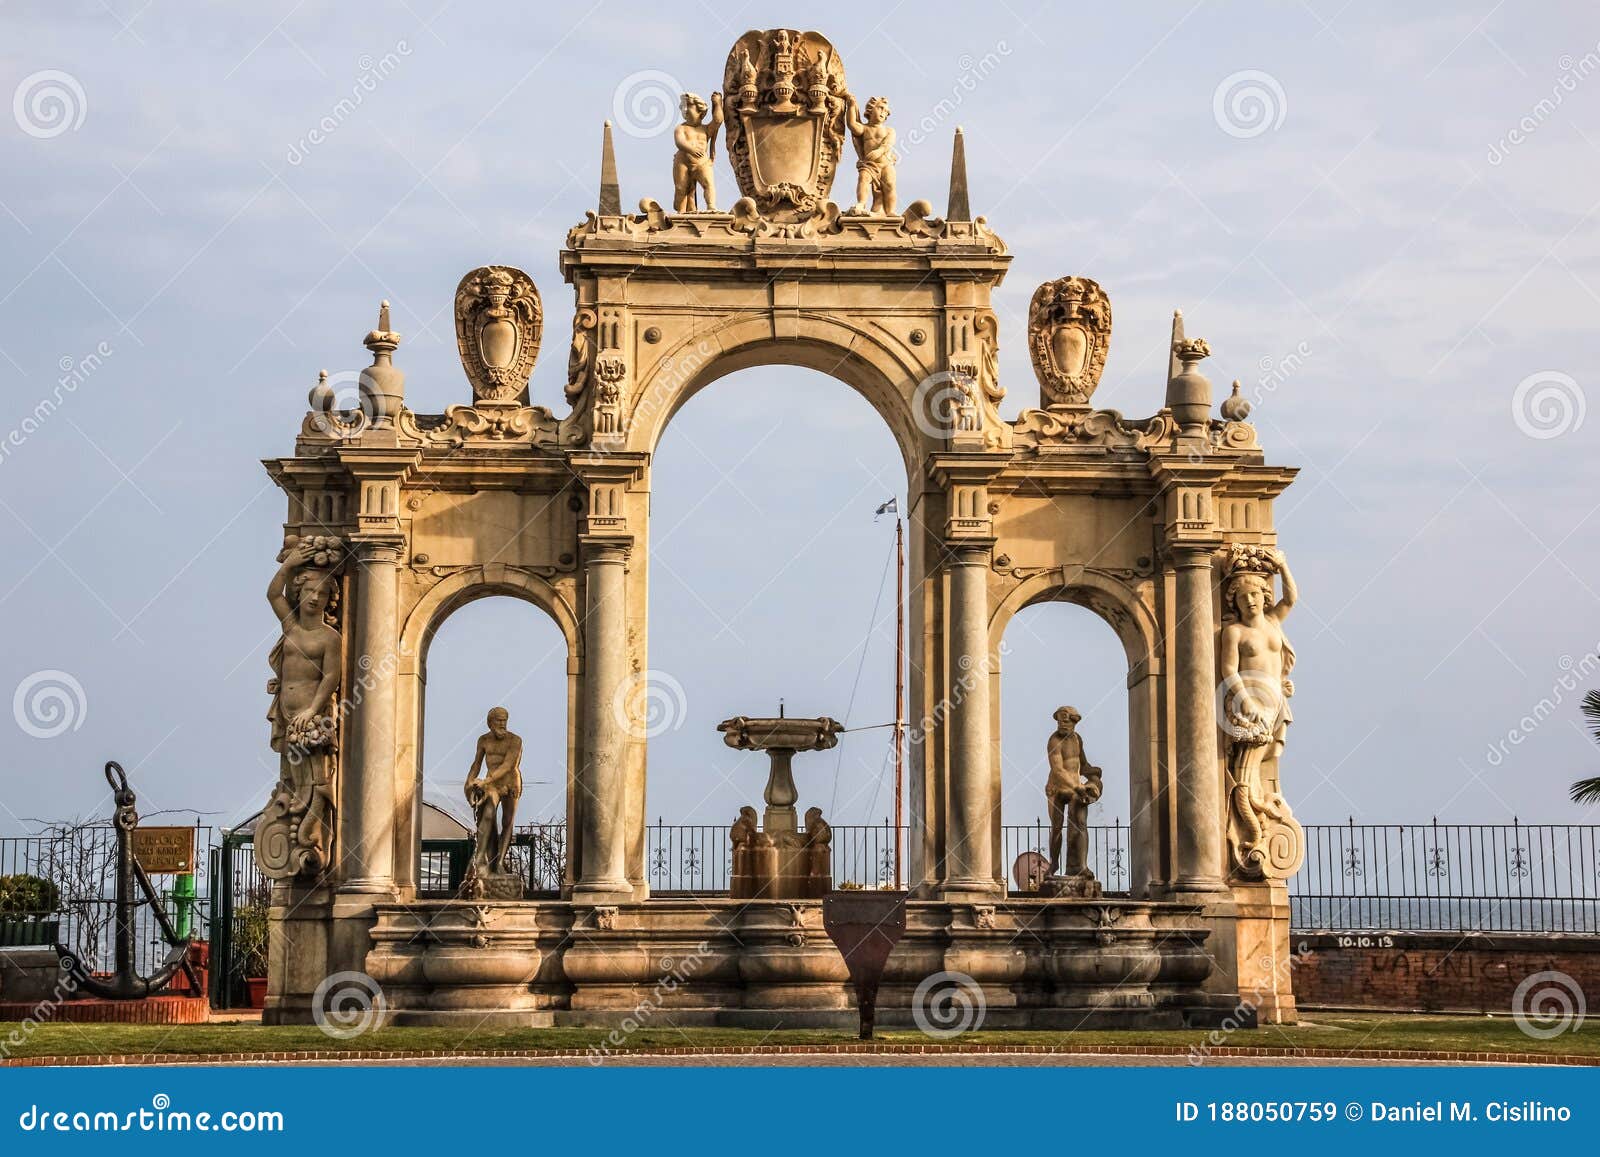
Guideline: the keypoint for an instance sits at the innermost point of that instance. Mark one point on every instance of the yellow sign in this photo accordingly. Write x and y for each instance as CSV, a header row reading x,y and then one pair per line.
x,y
163,851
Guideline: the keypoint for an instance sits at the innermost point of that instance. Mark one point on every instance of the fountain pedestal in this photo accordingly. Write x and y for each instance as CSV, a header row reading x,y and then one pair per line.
x,y
780,860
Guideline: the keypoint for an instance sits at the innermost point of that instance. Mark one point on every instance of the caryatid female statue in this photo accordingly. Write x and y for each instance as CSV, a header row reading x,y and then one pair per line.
x,y
1255,658
294,834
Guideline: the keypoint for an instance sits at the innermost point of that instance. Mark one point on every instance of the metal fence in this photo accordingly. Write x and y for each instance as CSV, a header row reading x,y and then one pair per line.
x,y
1449,877
81,861
1357,877
538,854
240,899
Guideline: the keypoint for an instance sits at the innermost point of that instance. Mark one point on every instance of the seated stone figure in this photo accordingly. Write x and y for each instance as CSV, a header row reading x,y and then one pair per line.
x,y
818,858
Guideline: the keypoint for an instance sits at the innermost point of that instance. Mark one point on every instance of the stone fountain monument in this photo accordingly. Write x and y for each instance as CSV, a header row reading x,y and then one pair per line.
x,y
778,860
1162,525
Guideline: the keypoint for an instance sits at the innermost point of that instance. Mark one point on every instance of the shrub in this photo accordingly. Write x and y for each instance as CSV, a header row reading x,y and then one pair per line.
x,y
250,932
28,897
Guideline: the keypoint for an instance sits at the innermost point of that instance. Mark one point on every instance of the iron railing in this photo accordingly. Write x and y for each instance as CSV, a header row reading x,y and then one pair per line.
x,y
1512,877
81,861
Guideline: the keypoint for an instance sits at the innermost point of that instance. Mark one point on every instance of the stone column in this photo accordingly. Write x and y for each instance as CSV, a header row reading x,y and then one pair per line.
x,y
1198,863
369,790
969,840
603,876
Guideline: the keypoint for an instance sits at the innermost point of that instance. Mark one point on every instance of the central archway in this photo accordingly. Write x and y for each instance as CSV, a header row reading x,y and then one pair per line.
x,y
782,581
869,359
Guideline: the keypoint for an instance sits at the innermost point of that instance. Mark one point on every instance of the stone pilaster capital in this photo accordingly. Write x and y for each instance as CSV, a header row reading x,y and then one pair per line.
x,y
975,550
595,467
379,462
377,549
605,549
1195,550
974,468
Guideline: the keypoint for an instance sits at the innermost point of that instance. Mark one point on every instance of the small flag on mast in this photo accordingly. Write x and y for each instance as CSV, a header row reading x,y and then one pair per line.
x,y
890,507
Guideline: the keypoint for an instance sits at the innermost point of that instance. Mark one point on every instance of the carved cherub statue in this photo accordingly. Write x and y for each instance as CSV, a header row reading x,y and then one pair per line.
x,y
1074,784
499,757
693,166
875,156
1255,659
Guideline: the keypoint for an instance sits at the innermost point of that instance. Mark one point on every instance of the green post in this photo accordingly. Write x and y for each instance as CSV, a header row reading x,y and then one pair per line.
x,y
183,896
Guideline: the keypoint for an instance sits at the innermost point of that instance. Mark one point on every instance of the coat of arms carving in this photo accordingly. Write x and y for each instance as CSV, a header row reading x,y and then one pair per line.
x,y
1069,331
499,321
786,101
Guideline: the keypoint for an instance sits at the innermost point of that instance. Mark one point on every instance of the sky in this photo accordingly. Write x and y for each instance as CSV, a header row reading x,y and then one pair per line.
x,y
1384,222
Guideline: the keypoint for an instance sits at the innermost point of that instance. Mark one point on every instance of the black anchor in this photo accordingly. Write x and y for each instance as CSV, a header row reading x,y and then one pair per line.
x,y
125,983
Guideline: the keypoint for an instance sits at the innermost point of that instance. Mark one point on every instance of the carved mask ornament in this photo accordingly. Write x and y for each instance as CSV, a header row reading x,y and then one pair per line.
x,y
499,321
1069,331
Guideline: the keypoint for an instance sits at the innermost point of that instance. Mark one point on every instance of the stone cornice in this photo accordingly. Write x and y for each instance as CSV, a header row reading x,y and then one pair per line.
x,y
883,248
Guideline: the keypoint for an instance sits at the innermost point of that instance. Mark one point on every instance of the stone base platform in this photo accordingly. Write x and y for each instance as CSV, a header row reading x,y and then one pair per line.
x,y
1030,963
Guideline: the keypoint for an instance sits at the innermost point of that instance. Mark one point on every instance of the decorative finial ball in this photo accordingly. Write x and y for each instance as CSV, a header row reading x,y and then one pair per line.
x,y
321,396
1235,407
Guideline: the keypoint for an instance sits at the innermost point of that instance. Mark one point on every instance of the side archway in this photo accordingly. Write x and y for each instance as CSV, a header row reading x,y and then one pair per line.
x,y
419,626
1132,617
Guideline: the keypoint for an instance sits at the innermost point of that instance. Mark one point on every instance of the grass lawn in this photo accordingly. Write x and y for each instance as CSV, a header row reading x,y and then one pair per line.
x,y
1326,1031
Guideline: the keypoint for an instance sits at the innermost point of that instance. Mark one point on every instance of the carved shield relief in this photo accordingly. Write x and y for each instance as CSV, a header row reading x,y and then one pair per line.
x,y
785,92
1069,331
499,322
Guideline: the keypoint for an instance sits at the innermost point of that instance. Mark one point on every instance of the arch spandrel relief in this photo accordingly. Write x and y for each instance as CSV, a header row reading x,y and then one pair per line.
x,y
502,493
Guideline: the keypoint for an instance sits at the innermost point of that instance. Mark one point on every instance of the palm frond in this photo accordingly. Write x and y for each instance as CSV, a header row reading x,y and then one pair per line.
x,y
1586,791
1590,706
